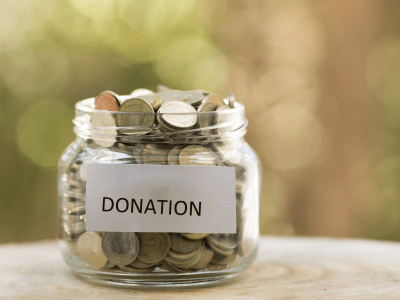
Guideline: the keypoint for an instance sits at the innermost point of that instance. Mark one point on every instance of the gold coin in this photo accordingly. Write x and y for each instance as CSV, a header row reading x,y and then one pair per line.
x,y
154,246
135,113
90,250
195,236
178,114
225,241
205,258
181,244
139,264
197,155
154,100
121,248
108,101
104,128
170,267
220,259
173,155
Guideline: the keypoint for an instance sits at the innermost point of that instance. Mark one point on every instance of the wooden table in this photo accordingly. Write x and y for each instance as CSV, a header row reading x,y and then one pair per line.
x,y
286,268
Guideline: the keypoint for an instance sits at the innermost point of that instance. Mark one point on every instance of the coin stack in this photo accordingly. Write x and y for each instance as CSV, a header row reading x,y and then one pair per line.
x,y
168,127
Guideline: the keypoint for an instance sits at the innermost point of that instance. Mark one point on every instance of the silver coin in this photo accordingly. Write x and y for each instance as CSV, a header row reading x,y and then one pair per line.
x,y
141,92
178,114
154,100
172,95
173,155
231,99
194,97
104,128
121,248
197,155
155,154
135,116
90,250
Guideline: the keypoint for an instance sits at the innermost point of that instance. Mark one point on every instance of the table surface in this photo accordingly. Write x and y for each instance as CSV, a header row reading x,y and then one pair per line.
x,y
286,268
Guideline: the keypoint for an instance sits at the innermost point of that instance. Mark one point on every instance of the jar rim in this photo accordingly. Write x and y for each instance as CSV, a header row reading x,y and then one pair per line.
x,y
87,106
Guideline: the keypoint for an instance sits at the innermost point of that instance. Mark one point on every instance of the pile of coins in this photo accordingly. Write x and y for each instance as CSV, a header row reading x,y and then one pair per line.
x,y
128,137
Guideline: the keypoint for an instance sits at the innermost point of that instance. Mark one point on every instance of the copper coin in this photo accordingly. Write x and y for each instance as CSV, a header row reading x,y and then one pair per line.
x,y
107,100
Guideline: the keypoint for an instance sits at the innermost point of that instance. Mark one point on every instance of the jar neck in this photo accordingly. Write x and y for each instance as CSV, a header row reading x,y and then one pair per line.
x,y
101,126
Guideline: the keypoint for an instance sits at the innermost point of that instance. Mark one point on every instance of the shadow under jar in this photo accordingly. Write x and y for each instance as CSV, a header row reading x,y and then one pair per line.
x,y
158,205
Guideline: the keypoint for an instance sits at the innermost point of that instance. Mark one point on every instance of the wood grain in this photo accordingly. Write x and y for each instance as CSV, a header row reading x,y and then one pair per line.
x,y
286,268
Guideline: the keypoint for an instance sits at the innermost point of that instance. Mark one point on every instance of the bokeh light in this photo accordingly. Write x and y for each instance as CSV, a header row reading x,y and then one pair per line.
x,y
44,130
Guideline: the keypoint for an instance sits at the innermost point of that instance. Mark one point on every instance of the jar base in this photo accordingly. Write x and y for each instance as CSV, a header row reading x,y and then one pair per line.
x,y
159,279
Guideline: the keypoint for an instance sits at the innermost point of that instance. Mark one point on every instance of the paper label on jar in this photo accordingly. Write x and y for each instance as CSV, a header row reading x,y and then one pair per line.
x,y
160,198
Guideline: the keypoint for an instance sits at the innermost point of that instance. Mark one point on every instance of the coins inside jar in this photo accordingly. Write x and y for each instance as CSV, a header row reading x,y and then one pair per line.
x,y
166,128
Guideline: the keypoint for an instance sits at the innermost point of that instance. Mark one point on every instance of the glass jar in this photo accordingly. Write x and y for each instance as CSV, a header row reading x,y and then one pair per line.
x,y
163,250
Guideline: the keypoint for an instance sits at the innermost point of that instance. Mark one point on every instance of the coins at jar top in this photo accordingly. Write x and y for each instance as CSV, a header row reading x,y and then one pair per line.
x,y
170,95
103,125
121,248
90,250
194,97
178,114
141,92
153,246
181,244
107,100
135,112
154,100
214,98
206,118
197,155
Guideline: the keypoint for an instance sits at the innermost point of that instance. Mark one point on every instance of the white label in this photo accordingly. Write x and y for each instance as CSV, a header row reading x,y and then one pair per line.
x,y
154,198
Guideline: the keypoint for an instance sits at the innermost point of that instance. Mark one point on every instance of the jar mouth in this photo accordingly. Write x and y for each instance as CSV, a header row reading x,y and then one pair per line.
x,y
209,126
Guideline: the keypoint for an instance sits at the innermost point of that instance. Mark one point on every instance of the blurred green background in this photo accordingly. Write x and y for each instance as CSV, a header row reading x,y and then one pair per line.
x,y
320,81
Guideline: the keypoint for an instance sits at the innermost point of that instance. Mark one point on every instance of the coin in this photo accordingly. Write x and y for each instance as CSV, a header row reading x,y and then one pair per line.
x,y
220,259
214,98
75,228
205,258
225,241
207,117
181,244
197,155
107,100
224,120
104,128
155,154
185,260
141,92
135,270
173,155
170,95
170,267
154,246
231,99
137,151
154,100
178,114
121,248
221,251
135,113
194,97
195,236
90,250
162,88
139,264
